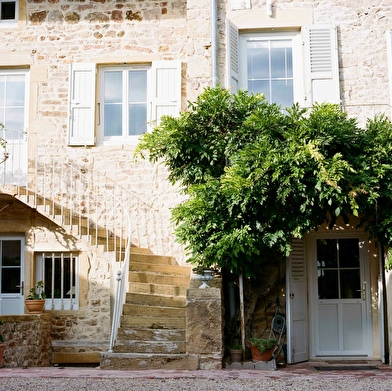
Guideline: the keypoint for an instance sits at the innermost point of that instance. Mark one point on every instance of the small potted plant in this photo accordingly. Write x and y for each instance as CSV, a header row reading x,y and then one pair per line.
x,y
235,353
35,301
262,349
2,347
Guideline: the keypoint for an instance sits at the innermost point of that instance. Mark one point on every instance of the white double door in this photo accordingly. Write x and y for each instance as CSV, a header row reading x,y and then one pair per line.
x,y
11,275
339,296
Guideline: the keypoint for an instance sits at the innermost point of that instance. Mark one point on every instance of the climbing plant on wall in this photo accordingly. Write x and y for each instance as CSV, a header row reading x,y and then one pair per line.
x,y
255,176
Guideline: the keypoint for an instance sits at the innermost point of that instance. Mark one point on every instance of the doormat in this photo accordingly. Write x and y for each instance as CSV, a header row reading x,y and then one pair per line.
x,y
345,368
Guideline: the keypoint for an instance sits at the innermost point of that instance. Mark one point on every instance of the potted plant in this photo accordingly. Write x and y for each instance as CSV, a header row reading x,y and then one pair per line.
x,y
35,301
262,349
2,347
235,353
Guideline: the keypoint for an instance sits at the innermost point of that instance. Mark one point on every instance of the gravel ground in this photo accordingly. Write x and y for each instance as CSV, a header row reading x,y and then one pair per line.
x,y
97,384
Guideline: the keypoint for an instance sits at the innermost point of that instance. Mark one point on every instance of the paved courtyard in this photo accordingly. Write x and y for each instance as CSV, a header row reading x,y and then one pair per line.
x,y
371,376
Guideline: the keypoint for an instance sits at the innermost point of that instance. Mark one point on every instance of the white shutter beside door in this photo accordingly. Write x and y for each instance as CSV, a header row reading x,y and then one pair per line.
x,y
81,104
232,56
166,84
322,71
297,305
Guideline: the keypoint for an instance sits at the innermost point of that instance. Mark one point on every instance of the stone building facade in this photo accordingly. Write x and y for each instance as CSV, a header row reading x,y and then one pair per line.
x,y
49,48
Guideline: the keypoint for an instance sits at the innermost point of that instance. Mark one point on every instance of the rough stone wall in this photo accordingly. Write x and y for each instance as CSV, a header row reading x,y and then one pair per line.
x,y
27,340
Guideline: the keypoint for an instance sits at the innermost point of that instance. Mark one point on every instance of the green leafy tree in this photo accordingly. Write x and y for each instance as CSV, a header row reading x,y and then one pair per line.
x,y
256,177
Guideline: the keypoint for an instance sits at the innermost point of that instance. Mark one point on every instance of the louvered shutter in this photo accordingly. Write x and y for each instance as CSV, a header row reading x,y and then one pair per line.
x,y
81,104
322,71
297,305
232,53
166,84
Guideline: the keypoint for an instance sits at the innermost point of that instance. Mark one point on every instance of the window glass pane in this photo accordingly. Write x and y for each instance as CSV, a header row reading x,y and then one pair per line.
x,y
328,284
258,60
327,253
10,279
10,253
14,120
8,10
2,91
282,92
281,59
113,120
260,87
113,87
349,253
137,88
350,284
137,119
15,91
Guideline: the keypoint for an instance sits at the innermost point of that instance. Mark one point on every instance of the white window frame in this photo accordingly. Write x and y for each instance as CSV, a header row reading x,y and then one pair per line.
x,y
125,137
295,38
164,98
10,22
64,303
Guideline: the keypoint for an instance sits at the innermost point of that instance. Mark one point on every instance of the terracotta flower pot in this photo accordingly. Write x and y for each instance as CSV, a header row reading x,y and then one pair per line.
x,y
35,306
261,356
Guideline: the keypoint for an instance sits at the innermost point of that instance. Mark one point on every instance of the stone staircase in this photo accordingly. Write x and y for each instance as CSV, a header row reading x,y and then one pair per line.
x,y
152,329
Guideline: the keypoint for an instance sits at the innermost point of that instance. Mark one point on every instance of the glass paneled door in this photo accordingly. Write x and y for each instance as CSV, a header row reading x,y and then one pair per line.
x,y
11,276
340,297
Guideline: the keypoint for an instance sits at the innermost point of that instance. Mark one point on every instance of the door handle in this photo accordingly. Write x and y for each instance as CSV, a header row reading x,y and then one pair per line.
x,y
20,286
363,290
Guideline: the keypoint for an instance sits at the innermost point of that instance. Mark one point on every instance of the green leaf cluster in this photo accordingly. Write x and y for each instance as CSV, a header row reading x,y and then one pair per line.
x,y
256,176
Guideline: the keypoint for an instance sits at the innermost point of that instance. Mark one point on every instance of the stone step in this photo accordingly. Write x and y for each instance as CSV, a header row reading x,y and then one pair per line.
x,y
148,361
156,278
157,289
145,258
152,322
145,334
159,312
174,270
154,300
151,347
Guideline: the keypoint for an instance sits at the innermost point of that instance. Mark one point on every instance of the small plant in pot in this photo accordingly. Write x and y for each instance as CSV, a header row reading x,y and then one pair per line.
x,y
262,349
35,301
235,353
2,347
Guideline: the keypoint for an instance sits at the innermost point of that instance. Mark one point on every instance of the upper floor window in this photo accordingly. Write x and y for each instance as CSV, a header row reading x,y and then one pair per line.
x,y
271,65
8,12
288,67
131,100
123,102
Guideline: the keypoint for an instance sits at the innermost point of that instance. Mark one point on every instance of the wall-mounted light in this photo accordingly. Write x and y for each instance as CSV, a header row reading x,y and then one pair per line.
x,y
269,7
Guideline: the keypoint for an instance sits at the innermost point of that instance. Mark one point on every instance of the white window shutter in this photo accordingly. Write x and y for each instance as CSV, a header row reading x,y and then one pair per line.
x,y
81,104
232,56
322,72
166,84
297,304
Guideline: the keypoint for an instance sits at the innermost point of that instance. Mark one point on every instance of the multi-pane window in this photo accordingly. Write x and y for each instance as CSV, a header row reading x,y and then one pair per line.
x,y
8,11
338,269
13,97
59,271
123,107
269,65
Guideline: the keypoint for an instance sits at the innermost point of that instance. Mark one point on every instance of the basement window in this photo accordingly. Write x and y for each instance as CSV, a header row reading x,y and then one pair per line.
x,y
59,271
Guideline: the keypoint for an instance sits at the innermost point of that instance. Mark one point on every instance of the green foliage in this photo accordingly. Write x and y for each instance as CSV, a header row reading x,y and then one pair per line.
x,y
256,177
263,344
37,292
